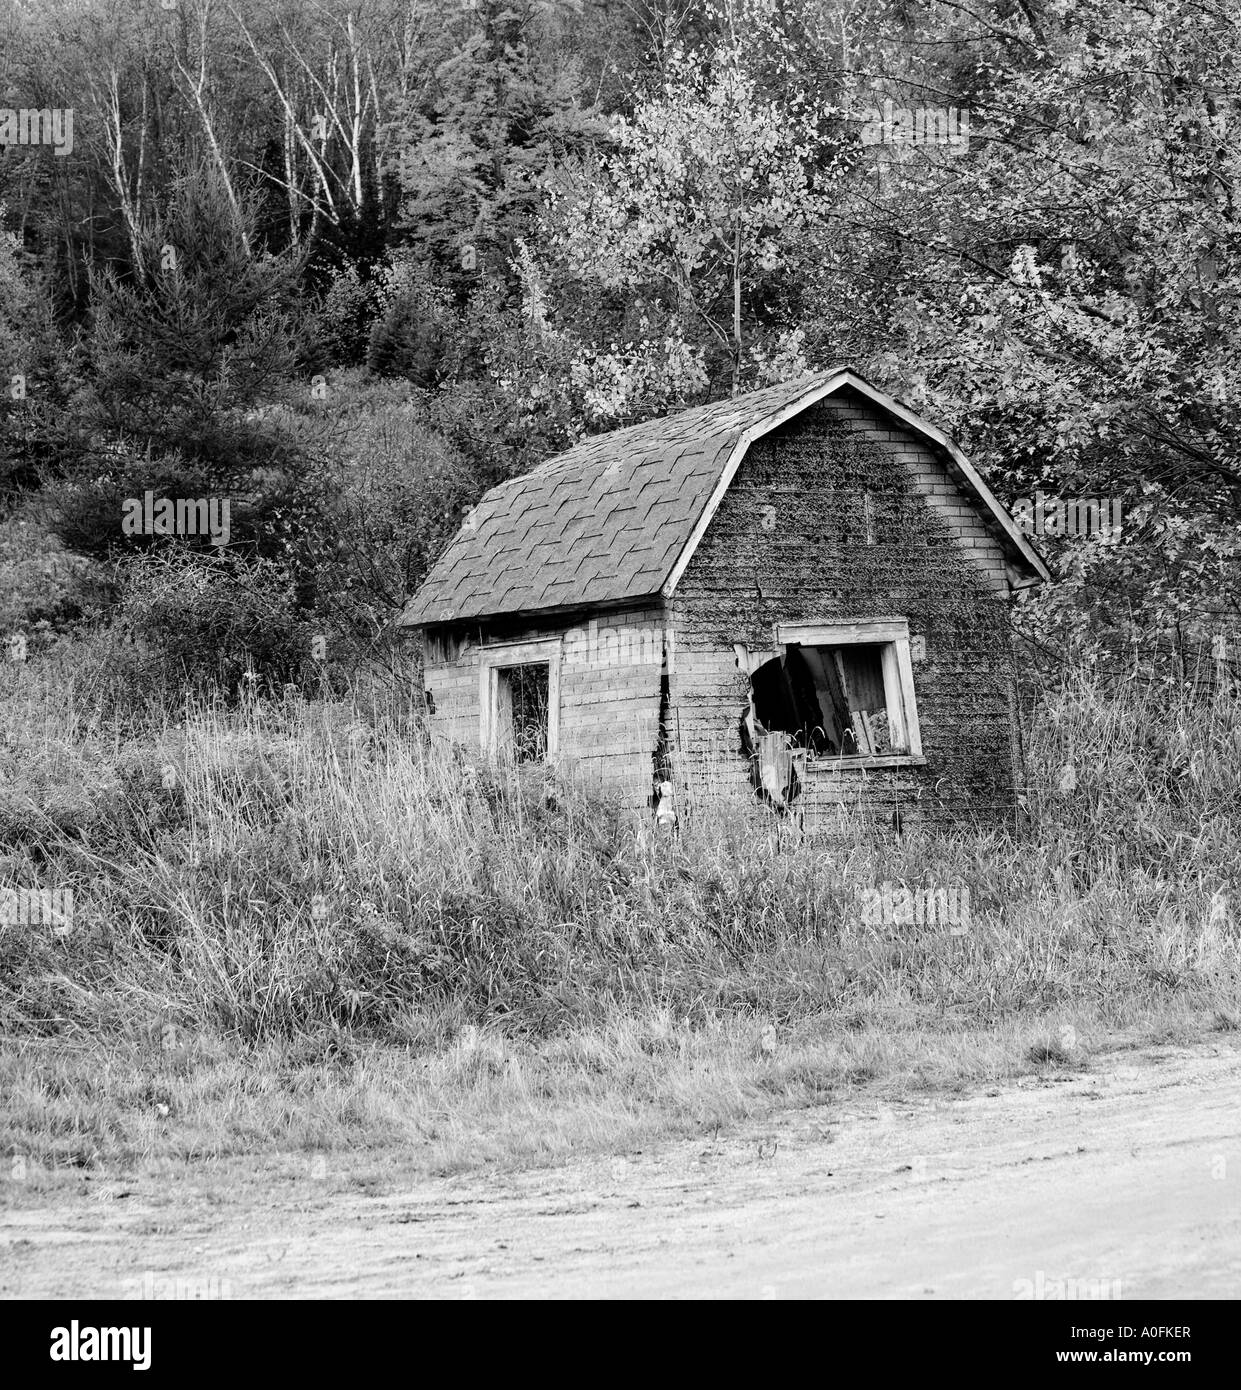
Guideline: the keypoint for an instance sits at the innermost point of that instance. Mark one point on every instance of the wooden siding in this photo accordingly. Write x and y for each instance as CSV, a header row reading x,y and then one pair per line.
x,y
609,692
846,513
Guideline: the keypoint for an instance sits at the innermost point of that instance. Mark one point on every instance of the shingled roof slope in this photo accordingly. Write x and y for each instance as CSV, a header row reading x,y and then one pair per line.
x,y
603,523
606,522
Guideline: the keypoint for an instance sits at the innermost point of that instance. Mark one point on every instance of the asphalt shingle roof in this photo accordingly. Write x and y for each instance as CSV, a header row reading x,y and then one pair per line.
x,y
607,522
601,524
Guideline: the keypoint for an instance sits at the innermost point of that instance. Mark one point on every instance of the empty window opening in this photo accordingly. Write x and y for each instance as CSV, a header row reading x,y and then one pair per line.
x,y
837,701
519,700
522,705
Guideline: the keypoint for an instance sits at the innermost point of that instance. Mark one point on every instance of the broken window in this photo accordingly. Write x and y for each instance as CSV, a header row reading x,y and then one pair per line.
x,y
838,691
775,763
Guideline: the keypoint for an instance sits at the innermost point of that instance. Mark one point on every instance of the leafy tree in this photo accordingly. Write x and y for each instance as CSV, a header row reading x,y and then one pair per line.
x,y
694,210
407,338
1066,293
394,493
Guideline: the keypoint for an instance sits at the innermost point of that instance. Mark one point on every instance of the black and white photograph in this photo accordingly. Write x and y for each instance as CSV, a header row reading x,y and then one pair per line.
x,y
620,666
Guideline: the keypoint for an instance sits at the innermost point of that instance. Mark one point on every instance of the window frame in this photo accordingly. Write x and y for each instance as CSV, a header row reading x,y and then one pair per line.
x,y
891,635
502,656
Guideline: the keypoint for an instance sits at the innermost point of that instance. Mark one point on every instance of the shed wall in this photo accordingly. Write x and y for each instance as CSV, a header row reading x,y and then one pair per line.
x,y
609,692
846,513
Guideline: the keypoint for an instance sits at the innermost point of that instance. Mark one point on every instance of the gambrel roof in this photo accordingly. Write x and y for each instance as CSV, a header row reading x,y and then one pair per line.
x,y
617,518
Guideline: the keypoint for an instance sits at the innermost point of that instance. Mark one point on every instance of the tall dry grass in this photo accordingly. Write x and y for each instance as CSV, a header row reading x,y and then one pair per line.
x,y
277,869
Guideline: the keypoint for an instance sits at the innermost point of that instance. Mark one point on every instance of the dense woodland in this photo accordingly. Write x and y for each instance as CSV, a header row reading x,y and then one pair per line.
x,y
347,263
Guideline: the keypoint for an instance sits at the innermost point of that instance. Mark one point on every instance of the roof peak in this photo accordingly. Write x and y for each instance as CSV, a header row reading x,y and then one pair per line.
x,y
616,518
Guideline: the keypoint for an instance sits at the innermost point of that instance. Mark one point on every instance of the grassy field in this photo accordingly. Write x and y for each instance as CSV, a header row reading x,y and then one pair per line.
x,y
296,932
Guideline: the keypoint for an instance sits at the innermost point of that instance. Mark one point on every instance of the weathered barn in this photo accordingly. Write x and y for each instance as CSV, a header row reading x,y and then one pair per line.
x,y
795,595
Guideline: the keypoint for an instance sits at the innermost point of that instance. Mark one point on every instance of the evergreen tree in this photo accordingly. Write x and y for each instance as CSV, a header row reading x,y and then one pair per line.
x,y
478,141
182,363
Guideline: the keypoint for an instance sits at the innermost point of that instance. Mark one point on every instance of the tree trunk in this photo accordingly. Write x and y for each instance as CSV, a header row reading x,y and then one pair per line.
x,y
737,311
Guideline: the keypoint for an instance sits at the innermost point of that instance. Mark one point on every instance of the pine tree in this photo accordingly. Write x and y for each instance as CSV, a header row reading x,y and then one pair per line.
x,y
478,142
183,361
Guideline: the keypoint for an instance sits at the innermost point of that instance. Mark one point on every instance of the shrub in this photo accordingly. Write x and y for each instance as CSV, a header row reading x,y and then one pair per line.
x,y
216,619
44,589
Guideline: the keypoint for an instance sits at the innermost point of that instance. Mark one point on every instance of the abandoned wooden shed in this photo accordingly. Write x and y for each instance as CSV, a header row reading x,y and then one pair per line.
x,y
796,594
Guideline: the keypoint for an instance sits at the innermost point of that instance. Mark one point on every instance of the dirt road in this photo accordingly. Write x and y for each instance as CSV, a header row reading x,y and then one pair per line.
x,y
1126,1177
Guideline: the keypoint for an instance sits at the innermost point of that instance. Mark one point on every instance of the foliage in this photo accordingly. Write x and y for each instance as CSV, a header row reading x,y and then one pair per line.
x,y
477,142
391,493
34,381
544,219
216,620
694,208
204,335
1065,293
